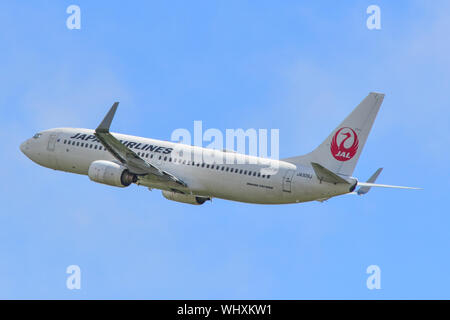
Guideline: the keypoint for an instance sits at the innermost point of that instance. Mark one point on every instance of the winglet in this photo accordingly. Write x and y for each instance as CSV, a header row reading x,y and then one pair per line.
x,y
106,123
372,179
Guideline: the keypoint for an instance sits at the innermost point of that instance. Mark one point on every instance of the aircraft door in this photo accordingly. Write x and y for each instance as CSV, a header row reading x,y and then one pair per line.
x,y
52,142
52,156
287,181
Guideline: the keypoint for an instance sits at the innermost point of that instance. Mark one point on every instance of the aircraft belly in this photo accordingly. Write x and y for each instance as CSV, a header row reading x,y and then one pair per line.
x,y
230,186
252,190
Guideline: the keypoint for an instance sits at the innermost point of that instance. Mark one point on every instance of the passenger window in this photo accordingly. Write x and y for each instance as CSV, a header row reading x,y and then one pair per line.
x,y
165,158
65,141
78,144
212,166
159,157
203,165
240,172
254,173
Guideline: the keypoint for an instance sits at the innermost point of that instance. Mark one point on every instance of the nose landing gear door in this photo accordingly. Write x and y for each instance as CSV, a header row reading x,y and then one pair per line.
x,y
287,181
52,142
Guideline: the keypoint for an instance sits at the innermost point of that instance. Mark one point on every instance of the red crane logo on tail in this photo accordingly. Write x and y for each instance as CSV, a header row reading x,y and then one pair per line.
x,y
344,144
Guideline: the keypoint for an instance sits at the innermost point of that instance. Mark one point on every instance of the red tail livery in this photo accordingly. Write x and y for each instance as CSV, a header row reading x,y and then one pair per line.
x,y
347,146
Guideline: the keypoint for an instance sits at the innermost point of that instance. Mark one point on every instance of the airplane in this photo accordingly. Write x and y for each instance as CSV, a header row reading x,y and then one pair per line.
x,y
183,175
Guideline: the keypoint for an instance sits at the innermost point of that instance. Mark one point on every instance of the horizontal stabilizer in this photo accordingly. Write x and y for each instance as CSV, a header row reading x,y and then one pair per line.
x,y
367,184
326,175
372,179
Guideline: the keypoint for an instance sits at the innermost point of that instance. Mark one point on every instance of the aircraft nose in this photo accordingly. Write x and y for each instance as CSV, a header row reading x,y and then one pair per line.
x,y
24,147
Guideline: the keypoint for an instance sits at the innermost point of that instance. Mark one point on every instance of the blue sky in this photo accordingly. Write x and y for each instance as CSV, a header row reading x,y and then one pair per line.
x,y
297,66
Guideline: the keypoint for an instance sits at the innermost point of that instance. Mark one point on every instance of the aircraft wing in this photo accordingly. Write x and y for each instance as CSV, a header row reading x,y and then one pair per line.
x,y
128,157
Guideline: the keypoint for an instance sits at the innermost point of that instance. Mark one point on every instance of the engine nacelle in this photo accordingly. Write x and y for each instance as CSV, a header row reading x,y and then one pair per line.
x,y
185,198
110,173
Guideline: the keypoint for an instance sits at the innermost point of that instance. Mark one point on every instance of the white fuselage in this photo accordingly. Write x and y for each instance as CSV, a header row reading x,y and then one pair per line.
x,y
243,178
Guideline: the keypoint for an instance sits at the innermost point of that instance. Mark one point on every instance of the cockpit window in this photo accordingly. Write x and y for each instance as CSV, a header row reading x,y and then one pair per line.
x,y
37,135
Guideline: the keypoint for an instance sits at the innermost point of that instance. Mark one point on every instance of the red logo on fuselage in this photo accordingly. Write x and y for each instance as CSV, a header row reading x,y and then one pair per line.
x,y
344,144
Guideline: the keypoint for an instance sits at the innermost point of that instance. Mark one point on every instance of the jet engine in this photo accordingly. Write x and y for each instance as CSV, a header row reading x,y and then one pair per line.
x,y
110,173
185,198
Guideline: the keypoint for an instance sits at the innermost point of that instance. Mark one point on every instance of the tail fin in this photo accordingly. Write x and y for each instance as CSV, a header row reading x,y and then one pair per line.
x,y
340,152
